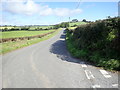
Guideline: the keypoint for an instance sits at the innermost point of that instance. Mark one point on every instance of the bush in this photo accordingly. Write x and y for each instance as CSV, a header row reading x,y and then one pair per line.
x,y
98,42
110,64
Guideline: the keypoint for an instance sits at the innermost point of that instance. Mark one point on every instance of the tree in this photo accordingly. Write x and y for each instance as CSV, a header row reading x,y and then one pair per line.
x,y
108,17
64,24
84,20
56,26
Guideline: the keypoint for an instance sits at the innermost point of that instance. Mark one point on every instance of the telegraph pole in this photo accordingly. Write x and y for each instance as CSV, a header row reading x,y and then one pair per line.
x,y
69,21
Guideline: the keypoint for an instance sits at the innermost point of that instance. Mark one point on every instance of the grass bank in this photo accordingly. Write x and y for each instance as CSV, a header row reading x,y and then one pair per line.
x,y
98,43
10,46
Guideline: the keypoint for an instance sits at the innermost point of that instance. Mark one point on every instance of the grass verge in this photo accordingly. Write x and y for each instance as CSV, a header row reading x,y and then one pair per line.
x,y
95,59
10,46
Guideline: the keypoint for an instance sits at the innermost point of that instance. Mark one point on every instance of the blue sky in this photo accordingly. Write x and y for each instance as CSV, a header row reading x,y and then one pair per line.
x,y
30,12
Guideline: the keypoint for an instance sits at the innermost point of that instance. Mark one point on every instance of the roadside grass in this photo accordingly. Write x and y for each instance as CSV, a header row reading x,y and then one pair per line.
x,y
10,46
14,34
84,55
97,43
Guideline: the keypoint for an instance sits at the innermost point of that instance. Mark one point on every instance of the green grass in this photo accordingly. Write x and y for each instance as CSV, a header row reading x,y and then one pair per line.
x,y
74,25
43,27
72,28
14,34
8,27
10,46
77,23
96,43
32,27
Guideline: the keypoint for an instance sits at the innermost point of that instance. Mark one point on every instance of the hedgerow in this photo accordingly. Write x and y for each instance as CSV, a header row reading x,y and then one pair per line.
x,y
97,42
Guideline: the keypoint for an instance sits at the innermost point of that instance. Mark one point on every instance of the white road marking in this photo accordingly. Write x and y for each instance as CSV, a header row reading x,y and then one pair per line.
x,y
89,74
62,39
115,85
96,86
105,74
84,65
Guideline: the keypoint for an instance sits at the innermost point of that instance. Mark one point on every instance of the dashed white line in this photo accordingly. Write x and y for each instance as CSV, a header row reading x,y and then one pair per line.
x,y
115,85
61,39
105,74
96,86
89,74
84,65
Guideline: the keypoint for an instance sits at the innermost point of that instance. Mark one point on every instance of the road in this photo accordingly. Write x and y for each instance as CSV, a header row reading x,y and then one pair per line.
x,y
49,65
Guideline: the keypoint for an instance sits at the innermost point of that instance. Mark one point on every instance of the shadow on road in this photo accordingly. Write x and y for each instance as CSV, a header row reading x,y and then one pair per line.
x,y
59,48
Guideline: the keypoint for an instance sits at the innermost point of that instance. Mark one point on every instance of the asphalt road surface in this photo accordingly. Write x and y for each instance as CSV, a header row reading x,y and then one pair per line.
x,y
49,65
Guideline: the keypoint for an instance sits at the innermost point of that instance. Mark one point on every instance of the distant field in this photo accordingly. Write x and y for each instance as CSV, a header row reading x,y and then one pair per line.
x,y
31,27
8,27
10,46
13,34
72,27
77,23
40,27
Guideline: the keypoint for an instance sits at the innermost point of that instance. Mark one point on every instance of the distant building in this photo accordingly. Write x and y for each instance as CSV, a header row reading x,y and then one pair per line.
x,y
74,20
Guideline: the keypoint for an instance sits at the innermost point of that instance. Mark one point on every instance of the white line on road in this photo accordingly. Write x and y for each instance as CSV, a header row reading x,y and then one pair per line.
x,y
61,39
84,65
105,74
96,86
115,85
89,74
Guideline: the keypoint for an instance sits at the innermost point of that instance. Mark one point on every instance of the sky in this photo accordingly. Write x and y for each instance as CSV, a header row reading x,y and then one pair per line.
x,y
34,12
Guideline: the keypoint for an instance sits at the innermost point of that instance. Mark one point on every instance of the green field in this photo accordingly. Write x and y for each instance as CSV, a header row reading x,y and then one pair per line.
x,y
10,46
8,27
13,34
30,28
72,28
77,23
40,27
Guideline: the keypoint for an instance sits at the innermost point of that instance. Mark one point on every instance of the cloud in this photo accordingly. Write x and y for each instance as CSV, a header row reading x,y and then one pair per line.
x,y
23,7
29,7
45,11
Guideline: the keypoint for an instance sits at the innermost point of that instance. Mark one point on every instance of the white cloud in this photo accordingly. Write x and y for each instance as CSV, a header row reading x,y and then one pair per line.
x,y
29,7
68,0
45,10
62,11
22,7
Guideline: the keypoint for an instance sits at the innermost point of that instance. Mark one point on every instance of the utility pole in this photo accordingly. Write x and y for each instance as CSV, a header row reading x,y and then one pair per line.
x,y
69,21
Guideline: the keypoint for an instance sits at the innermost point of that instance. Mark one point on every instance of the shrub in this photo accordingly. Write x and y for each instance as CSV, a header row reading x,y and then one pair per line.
x,y
98,42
